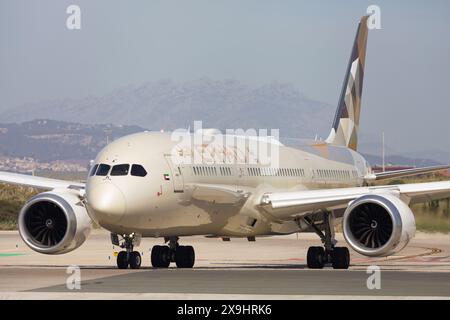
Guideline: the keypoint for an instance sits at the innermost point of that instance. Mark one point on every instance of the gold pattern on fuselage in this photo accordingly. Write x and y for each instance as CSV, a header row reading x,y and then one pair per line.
x,y
161,203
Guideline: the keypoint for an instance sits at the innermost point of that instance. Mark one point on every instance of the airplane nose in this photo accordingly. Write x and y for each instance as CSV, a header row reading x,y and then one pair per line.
x,y
107,202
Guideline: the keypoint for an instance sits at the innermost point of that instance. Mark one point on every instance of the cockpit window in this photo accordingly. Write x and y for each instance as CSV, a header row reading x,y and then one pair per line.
x,y
94,168
138,170
103,170
120,170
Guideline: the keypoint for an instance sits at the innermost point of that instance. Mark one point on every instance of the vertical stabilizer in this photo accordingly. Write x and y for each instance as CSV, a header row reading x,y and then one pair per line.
x,y
346,121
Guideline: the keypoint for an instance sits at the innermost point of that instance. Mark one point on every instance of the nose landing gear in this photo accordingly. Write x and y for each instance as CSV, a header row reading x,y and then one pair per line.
x,y
183,256
128,257
132,259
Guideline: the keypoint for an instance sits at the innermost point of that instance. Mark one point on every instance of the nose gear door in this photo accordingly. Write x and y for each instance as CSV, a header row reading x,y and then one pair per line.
x,y
176,175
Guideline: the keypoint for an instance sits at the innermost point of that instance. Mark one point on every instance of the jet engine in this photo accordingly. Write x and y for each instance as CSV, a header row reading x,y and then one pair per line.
x,y
54,222
378,225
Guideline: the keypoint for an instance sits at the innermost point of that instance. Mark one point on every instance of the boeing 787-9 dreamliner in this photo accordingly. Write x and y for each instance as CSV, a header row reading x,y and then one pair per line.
x,y
138,188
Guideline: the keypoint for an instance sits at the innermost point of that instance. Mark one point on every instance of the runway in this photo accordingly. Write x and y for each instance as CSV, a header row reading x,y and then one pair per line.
x,y
270,268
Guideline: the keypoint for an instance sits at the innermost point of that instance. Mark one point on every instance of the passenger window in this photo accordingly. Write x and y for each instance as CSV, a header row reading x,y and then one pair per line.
x,y
94,168
138,171
103,170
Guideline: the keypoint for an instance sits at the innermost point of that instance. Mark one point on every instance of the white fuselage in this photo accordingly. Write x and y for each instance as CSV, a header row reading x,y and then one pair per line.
x,y
161,202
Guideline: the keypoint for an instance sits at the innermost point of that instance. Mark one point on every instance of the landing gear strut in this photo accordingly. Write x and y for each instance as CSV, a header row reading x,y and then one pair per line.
x,y
183,256
318,257
128,257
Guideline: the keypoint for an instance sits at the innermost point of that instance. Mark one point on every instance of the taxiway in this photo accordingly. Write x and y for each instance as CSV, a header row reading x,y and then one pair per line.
x,y
270,268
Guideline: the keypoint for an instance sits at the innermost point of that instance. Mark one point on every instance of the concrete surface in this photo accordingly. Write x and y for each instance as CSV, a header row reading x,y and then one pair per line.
x,y
270,268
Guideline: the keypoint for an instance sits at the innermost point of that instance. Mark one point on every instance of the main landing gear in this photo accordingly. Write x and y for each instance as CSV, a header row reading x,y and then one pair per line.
x,y
128,257
183,256
318,257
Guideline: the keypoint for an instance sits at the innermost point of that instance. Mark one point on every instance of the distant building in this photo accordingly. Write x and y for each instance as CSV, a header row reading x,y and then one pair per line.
x,y
445,173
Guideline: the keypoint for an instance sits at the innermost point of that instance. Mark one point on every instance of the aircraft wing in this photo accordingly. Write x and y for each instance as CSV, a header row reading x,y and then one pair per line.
x,y
38,182
288,204
407,172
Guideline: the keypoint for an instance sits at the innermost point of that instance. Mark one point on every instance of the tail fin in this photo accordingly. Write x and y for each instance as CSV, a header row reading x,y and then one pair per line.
x,y
346,121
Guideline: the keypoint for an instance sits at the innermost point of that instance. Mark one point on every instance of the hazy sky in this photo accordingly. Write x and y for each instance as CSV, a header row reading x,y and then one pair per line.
x,y
407,84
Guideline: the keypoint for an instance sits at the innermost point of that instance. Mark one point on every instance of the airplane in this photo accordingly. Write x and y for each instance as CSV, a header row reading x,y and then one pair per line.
x,y
138,188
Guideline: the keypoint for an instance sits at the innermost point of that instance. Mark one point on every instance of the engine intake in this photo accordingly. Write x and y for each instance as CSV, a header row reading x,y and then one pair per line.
x,y
46,223
378,225
54,222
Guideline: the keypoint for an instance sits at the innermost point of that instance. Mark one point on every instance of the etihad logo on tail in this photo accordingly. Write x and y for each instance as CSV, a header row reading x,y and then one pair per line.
x,y
346,121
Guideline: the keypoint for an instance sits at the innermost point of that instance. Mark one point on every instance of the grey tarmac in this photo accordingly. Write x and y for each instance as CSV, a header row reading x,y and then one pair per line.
x,y
270,268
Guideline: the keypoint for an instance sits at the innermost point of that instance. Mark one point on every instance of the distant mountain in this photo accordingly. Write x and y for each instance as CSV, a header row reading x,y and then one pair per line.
x,y
426,157
436,154
170,105
400,160
50,140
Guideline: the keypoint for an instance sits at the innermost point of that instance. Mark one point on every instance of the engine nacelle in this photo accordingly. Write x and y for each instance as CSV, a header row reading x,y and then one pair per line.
x,y
378,225
54,222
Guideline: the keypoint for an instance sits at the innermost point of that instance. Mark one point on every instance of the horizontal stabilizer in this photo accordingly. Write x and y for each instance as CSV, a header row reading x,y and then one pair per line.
x,y
406,172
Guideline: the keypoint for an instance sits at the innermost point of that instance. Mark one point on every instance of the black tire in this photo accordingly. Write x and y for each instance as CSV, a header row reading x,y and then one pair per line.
x,y
315,257
135,260
160,256
122,260
156,256
340,258
185,257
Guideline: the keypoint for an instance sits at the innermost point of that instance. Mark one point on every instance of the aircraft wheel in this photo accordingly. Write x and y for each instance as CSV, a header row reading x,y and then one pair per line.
x,y
135,260
315,257
340,258
122,260
185,257
160,256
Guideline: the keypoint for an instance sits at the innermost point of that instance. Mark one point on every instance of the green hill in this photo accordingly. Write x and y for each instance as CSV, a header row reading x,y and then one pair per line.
x,y
12,198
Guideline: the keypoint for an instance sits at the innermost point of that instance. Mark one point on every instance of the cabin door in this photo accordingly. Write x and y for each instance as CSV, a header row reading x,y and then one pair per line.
x,y
176,175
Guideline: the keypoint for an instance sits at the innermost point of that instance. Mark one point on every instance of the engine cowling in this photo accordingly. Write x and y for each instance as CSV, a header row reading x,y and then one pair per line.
x,y
54,222
378,225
